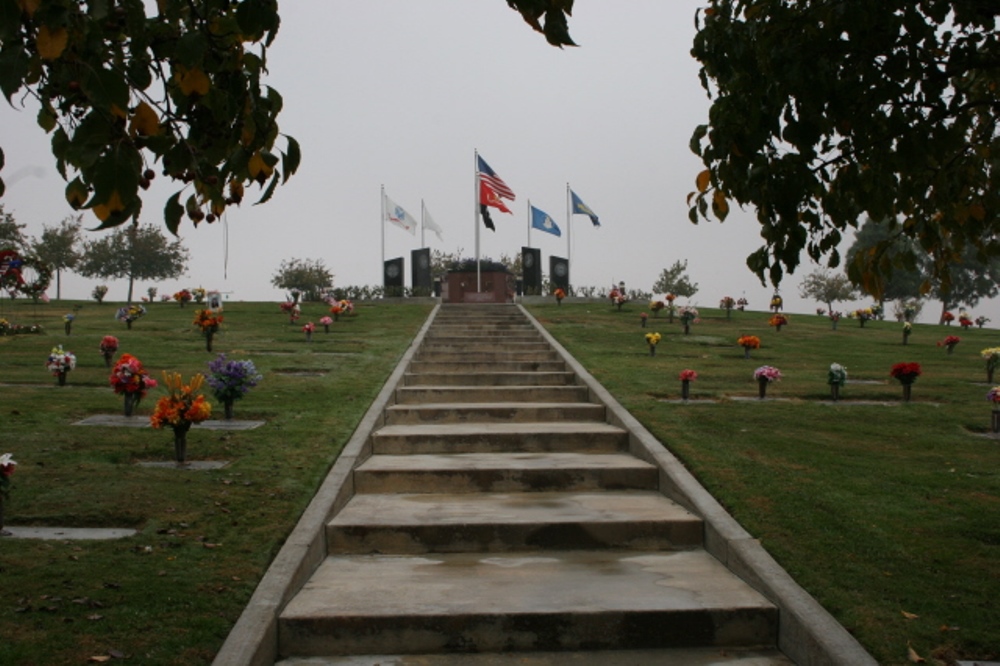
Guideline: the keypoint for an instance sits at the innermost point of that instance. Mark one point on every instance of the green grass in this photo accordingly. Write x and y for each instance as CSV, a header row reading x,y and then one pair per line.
x,y
170,594
876,509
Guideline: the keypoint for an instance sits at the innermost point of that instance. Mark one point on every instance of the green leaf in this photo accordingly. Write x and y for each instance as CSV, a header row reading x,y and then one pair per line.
x,y
270,189
173,211
46,119
13,68
290,160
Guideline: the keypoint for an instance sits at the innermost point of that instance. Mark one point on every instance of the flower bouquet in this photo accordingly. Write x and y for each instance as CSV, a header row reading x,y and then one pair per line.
x,y
907,331
727,303
777,303
836,378
686,377
130,314
863,315
180,409
748,342
183,296
964,320
231,380
993,396
834,318
326,321
778,320
742,304
131,380
291,309
949,342
688,315
764,375
906,373
560,295
308,330
992,357
7,465
656,306
198,293
108,347
653,339
60,362
99,292
670,298
947,318
208,321
643,317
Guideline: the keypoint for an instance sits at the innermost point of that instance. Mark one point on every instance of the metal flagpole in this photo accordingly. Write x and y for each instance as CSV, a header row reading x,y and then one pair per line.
x,y
422,223
569,243
383,229
529,222
475,216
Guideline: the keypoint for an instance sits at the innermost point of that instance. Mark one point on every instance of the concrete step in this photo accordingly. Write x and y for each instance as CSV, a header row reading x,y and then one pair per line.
x,y
502,522
557,600
589,437
493,412
479,345
477,365
663,657
489,379
492,356
503,472
415,395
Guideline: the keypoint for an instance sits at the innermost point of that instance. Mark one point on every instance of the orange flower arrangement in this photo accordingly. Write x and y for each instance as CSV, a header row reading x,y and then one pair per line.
x,y
183,406
749,342
207,320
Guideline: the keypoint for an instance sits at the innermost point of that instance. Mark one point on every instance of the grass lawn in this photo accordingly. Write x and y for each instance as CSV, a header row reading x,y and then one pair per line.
x,y
887,512
170,594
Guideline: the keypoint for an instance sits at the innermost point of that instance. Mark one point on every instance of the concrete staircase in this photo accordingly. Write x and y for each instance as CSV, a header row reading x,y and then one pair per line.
x,y
500,519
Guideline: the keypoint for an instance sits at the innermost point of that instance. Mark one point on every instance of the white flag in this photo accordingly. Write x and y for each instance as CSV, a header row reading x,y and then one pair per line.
x,y
399,217
429,223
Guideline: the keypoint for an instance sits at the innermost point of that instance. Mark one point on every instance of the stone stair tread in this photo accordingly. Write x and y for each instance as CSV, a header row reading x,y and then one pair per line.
x,y
491,404
594,507
665,657
511,584
494,461
522,428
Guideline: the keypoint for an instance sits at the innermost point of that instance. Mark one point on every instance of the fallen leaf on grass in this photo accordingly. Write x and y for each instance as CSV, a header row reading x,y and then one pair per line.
x,y
99,659
912,655
909,616
95,617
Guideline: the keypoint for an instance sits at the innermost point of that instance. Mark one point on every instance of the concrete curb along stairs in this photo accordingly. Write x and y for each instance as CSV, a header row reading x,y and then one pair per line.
x,y
509,508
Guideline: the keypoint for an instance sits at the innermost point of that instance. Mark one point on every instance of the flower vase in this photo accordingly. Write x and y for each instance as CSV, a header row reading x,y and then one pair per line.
x,y
620,307
559,301
128,324
336,316
833,325
642,323
777,328
685,389
746,352
180,443
652,350
951,348
835,392
907,391
762,388
687,328
209,335
309,336
326,328
131,400
906,338
69,327
107,358
4,532
227,406
989,375
61,377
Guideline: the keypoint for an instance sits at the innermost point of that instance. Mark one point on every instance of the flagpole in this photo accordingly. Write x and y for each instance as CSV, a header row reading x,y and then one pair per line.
x,y
422,224
569,243
529,222
475,215
382,204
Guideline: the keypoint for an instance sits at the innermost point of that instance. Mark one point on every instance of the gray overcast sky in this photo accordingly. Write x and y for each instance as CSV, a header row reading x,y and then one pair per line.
x,y
402,93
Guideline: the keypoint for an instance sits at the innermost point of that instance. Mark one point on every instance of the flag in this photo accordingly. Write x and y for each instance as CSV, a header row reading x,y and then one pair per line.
x,y
395,214
487,197
429,223
489,176
541,220
581,208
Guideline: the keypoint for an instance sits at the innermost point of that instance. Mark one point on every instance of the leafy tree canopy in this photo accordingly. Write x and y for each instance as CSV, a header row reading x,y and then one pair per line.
x,y
826,287
119,90
555,26
905,282
309,277
11,233
58,247
674,280
138,252
824,111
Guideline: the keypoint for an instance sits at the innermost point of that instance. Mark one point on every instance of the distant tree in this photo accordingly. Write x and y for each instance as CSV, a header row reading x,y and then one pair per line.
x,y
898,271
136,253
972,279
827,288
58,247
674,280
11,233
309,277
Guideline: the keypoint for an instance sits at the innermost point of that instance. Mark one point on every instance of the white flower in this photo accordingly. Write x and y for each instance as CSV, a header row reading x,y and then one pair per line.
x,y
7,459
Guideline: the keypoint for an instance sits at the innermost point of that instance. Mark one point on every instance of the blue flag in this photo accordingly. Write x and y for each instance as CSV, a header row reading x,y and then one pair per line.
x,y
581,208
541,220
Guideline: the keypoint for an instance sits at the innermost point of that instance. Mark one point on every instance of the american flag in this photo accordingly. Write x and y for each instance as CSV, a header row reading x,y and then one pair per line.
x,y
489,176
